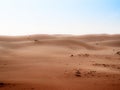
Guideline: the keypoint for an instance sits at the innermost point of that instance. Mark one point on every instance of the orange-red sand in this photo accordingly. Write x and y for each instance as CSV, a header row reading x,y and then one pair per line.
x,y
60,62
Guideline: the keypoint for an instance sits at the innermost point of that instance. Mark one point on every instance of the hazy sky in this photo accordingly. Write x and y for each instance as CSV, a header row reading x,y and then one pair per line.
x,y
18,17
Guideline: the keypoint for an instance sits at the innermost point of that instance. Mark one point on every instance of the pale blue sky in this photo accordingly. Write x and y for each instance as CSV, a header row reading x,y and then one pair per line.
x,y
20,17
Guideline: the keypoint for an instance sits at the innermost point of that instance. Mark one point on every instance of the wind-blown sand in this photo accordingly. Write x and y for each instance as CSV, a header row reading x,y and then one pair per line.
x,y
60,62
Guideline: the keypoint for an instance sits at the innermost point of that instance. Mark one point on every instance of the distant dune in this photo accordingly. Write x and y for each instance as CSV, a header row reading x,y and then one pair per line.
x,y
60,62
112,43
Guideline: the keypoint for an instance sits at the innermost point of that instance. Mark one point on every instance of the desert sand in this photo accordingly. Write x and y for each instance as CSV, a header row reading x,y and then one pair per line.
x,y
60,62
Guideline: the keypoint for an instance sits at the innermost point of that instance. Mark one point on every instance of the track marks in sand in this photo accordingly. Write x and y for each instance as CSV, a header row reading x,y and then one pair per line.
x,y
87,55
111,66
95,70
88,73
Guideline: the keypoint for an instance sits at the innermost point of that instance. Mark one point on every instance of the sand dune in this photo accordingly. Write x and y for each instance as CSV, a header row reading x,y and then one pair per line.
x,y
112,43
55,42
60,62
26,38
99,37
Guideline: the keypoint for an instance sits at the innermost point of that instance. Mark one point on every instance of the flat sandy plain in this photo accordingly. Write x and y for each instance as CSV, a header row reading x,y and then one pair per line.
x,y
60,62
